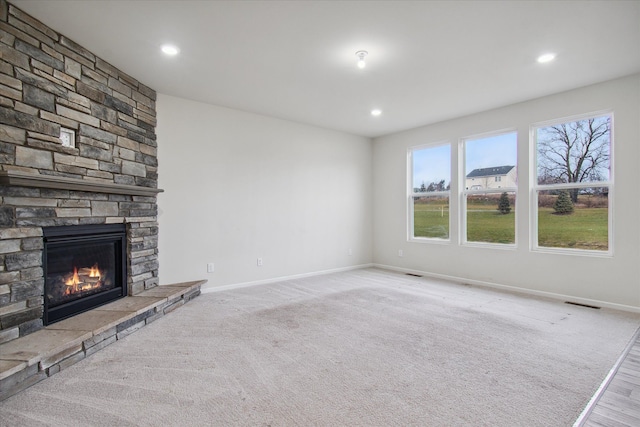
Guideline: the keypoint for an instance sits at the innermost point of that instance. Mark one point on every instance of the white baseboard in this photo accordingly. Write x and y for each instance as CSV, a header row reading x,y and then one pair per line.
x,y
514,289
206,290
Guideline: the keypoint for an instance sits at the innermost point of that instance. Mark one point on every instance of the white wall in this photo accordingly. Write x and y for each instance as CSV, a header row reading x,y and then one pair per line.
x,y
239,186
614,280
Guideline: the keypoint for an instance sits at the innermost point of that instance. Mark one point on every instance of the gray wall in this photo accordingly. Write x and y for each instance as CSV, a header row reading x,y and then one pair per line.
x,y
241,186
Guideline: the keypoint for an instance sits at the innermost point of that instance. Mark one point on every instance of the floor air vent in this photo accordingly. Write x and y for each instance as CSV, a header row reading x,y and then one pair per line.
x,y
414,275
583,305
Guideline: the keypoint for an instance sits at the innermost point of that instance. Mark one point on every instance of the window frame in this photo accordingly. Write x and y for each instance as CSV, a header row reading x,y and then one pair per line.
x,y
535,188
464,192
411,194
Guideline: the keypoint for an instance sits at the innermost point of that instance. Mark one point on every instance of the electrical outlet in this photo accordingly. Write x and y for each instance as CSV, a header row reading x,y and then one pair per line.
x,y
400,252
210,267
259,262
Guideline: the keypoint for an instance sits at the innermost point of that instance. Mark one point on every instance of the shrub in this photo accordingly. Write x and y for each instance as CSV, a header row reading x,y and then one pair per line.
x,y
563,205
504,207
593,201
546,200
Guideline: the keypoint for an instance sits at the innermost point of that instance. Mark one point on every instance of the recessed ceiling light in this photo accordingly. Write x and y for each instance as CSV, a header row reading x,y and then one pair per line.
x,y
376,112
547,57
170,50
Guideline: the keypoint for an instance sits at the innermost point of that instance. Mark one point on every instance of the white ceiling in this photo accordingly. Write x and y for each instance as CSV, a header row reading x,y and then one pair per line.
x,y
428,60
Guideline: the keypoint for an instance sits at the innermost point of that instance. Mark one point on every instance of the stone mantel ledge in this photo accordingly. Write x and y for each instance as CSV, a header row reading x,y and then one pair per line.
x,y
22,179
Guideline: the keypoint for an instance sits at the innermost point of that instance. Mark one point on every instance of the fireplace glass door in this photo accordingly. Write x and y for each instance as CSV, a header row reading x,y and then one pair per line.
x,y
84,268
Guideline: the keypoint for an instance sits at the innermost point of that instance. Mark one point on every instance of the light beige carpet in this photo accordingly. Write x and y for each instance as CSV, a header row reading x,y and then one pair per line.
x,y
360,348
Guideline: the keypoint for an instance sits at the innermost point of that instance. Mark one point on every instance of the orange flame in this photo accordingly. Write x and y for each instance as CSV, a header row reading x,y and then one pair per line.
x,y
75,280
94,271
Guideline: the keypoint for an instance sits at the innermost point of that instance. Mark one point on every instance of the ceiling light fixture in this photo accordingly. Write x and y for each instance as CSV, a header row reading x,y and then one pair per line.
x,y
376,112
170,50
547,57
361,54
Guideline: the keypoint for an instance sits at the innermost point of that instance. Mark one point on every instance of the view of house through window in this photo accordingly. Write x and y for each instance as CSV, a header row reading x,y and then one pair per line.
x,y
571,187
573,182
429,198
491,180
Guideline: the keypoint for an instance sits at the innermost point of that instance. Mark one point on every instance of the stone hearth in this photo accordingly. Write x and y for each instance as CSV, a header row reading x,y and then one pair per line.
x,y
28,360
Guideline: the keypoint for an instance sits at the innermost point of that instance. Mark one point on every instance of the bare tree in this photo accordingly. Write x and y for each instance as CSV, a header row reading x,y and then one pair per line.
x,y
437,186
574,152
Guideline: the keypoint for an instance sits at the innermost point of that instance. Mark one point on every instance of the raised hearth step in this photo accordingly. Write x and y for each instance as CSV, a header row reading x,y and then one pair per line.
x,y
34,357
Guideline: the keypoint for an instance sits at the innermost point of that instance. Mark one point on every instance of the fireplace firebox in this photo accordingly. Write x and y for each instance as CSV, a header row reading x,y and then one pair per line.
x,y
84,267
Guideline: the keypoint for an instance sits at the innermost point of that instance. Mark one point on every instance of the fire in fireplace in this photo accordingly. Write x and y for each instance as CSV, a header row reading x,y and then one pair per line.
x,y
85,267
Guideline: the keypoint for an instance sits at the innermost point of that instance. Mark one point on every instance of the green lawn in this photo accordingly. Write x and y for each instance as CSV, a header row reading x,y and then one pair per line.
x,y
490,226
586,228
431,219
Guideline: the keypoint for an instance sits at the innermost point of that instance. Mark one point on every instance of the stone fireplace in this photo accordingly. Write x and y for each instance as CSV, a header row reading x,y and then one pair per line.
x,y
107,176
84,268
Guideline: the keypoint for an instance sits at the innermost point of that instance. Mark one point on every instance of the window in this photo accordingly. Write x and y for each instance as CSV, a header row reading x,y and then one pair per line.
x,y
429,192
573,182
489,195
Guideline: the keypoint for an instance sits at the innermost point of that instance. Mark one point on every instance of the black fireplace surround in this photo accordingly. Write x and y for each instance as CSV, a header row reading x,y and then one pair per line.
x,y
84,267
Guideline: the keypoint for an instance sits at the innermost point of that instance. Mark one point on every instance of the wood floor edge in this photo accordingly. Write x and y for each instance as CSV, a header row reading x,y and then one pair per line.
x,y
584,416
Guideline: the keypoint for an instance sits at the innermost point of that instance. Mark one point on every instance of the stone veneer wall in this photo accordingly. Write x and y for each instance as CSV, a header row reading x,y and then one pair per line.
x,y
48,81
